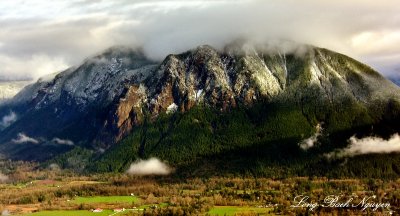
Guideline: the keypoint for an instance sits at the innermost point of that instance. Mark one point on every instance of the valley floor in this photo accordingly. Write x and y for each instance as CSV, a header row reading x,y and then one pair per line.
x,y
56,192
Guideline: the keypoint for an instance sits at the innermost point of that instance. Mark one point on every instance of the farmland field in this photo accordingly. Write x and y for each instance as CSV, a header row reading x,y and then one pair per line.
x,y
105,199
70,213
232,210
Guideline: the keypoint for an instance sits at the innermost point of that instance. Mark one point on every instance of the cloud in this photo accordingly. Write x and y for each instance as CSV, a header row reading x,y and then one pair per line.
x,y
152,166
7,120
311,141
22,138
63,141
368,145
49,36
3,178
32,67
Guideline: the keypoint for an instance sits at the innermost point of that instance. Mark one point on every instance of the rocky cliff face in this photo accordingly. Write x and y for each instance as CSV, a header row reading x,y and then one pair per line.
x,y
242,75
98,103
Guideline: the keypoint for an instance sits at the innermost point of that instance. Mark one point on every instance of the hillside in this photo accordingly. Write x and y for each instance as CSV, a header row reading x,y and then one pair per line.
x,y
243,109
255,129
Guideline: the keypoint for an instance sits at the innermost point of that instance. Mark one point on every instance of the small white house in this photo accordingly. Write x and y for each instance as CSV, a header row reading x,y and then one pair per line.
x,y
98,210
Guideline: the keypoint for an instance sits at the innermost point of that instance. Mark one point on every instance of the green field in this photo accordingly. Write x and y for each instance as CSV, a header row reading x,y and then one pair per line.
x,y
105,199
232,210
70,213
161,205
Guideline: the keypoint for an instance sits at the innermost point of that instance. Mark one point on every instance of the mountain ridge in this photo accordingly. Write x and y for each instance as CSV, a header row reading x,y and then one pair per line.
x,y
102,101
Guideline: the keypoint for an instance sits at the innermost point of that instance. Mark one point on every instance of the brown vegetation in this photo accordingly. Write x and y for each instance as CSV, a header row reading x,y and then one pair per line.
x,y
32,189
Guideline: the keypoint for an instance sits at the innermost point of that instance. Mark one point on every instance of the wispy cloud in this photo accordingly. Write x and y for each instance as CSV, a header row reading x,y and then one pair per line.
x,y
7,120
63,141
22,138
368,145
311,141
152,166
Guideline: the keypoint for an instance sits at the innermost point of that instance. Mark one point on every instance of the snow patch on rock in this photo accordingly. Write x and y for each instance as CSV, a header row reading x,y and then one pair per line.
x,y
199,93
172,108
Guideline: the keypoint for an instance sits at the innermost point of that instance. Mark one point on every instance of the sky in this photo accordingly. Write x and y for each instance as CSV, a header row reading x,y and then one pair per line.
x,y
39,37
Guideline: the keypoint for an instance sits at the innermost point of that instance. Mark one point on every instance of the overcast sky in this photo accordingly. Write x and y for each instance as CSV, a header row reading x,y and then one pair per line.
x,y
38,37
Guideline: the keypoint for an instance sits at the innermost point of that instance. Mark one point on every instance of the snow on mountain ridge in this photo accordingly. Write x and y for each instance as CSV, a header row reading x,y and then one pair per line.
x,y
98,79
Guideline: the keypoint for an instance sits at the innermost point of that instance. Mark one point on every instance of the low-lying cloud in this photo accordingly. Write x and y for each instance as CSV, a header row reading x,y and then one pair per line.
x,y
8,119
311,141
152,166
368,145
62,141
22,138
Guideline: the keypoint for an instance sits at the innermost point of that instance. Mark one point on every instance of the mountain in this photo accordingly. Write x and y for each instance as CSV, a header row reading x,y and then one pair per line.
x,y
247,108
9,89
71,105
240,103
